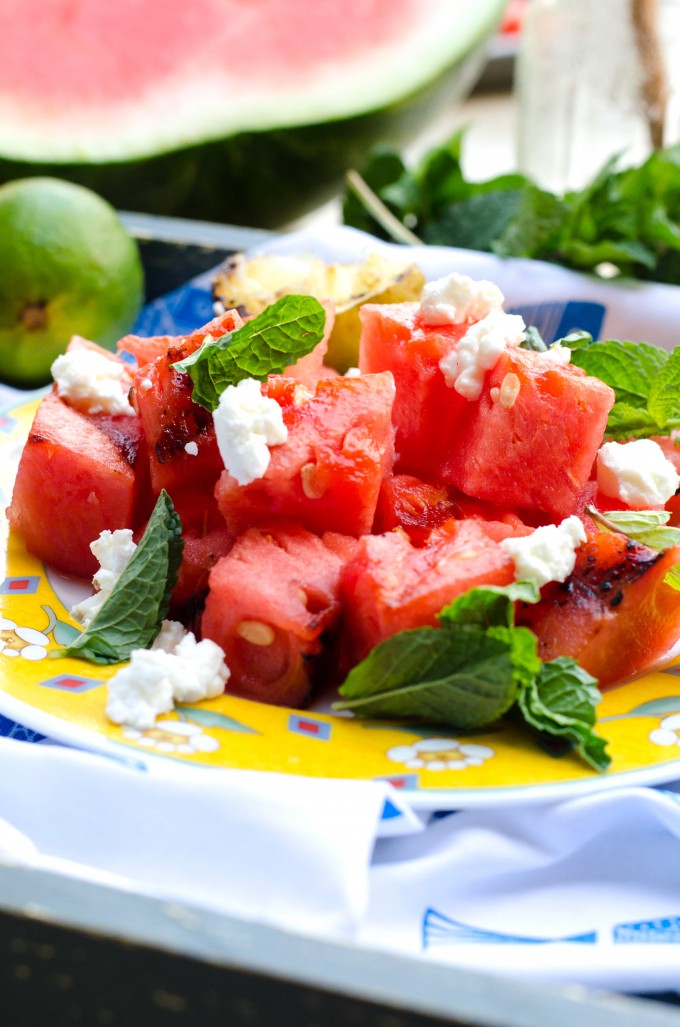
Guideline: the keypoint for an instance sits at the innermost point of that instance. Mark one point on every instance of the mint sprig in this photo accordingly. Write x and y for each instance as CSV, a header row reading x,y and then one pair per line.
x,y
285,331
474,668
562,700
628,217
646,381
648,527
132,615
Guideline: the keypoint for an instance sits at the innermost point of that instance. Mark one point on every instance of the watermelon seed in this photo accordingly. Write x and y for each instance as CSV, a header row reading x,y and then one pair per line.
x,y
509,391
256,632
311,486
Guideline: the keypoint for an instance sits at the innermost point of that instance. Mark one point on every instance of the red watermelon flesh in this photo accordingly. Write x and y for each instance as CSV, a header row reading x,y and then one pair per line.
x,y
79,475
243,111
270,600
391,585
206,540
146,350
538,452
221,39
327,475
426,412
171,419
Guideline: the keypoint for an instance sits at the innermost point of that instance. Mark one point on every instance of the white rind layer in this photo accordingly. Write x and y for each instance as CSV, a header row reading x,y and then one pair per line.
x,y
179,112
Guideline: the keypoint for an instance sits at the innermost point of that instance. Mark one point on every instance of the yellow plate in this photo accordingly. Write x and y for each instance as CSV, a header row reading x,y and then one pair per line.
x,y
437,769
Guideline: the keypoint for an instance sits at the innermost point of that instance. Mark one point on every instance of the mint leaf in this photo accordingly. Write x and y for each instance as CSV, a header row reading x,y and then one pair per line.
x,y
644,526
663,401
132,615
630,422
537,227
465,678
533,340
287,330
473,669
628,367
475,221
562,700
490,605
467,673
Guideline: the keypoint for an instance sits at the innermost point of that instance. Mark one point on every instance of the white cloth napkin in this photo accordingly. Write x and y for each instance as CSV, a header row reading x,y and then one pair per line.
x,y
585,891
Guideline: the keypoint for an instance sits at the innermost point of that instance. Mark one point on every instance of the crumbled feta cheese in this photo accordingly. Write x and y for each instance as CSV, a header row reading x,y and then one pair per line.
x,y
170,635
92,382
191,448
558,354
113,550
203,673
246,424
353,372
548,554
142,690
156,678
480,349
638,473
219,308
458,298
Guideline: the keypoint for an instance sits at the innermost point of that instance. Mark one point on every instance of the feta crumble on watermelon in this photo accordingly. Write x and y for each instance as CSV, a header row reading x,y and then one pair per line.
x,y
246,425
92,382
548,554
465,365
637,473
458,298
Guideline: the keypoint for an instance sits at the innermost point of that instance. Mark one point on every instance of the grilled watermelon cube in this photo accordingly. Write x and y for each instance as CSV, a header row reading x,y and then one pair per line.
x,y
615,614
391,585
79,474
172,422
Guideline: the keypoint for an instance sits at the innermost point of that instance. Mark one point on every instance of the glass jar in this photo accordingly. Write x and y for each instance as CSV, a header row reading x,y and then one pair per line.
x,y
595,78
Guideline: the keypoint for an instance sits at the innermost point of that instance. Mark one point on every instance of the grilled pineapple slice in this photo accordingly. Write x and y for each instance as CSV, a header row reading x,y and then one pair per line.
x,y
252,283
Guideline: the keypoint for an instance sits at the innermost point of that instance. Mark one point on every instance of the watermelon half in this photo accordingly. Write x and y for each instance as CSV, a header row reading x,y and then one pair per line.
x,y
240,110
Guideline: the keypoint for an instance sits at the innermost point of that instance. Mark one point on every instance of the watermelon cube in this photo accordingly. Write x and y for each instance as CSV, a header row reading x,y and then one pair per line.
x,y
270,600
327,475
79,474
426,412
534,448
391,585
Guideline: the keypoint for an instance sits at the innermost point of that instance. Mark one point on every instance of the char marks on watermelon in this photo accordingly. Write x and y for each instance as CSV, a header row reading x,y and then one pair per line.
x,y
614,614
79,475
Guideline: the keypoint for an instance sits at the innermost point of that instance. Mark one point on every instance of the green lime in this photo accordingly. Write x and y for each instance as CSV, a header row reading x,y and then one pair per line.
x,y
68,268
